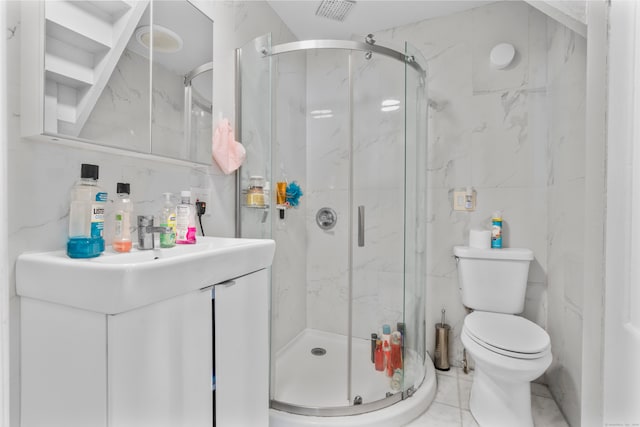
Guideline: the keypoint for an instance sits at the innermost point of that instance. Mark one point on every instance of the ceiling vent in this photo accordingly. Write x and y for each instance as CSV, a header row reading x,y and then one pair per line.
x,y
335,9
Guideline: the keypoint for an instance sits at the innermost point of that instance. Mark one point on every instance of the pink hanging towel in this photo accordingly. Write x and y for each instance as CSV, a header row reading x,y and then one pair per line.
x,y
227,152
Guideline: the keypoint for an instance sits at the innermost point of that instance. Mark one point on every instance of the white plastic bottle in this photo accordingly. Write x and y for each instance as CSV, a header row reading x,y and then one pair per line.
x,y
86,215
168,219
122,219
185,220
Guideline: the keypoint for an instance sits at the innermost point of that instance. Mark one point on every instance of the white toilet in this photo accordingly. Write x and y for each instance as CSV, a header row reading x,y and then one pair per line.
x,y
509,351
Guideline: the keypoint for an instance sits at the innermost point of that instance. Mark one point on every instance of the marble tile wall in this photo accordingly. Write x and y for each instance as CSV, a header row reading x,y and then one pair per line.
x,y
40,174
566,199
378,180
289,271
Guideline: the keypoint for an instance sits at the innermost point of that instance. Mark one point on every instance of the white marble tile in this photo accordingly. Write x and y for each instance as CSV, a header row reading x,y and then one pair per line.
x,y
546,413
540,390
468,420
535,304
464,387
500,23
447,391
438,415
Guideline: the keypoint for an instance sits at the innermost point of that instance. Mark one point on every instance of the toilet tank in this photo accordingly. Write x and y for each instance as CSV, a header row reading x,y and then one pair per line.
x,y
493,279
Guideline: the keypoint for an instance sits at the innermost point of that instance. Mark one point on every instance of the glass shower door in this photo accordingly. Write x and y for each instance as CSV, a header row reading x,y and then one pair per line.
x,y
378,213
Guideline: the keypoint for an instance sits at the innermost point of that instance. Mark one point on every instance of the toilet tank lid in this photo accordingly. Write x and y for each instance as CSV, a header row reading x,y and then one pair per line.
x,y
514,254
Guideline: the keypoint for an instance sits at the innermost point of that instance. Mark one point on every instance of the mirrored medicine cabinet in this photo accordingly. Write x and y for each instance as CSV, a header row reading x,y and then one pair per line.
x,y
130,75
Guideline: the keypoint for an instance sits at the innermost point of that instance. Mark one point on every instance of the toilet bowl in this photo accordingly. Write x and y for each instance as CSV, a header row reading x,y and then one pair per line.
x,y
509,352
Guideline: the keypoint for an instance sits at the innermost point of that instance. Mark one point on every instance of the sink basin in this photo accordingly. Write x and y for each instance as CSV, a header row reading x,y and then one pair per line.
x,y
116,282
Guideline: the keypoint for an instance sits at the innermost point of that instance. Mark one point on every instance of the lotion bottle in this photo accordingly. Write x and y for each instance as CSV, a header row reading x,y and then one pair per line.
x,y
122,234
185,220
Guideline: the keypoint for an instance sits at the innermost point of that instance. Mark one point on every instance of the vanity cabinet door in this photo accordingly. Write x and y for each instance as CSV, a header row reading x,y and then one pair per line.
x,y
242,351
159,364
63,366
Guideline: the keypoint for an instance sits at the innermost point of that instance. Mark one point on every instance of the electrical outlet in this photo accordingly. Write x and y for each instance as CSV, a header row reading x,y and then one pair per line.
x,y
200,194
460,201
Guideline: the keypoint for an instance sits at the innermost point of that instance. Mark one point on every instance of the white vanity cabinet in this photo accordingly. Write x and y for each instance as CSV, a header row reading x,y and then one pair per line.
x,y
151,366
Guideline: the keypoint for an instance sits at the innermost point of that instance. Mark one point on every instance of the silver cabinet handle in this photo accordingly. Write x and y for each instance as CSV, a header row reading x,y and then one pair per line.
x,y
360,226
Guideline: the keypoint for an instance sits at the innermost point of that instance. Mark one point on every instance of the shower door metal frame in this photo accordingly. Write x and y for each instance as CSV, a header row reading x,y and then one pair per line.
x,y
306,45
346,45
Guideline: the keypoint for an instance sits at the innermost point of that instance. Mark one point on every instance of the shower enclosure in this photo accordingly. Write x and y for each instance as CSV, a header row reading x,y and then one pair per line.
x,y
346,121
198,109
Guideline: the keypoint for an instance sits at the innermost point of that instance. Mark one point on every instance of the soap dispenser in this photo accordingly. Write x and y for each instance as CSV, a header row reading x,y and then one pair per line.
x,y
168,220
185,220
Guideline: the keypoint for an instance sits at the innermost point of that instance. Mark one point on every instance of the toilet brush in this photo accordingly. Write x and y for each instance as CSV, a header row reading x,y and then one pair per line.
x,y
442,344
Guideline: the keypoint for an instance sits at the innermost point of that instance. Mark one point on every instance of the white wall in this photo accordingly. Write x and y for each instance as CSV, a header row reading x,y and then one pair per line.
x,y
4,264
41,174
566,76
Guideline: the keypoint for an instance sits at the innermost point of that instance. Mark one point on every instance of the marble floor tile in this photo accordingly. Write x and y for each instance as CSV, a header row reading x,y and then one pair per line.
x,y
447,391
540,390
546,413
438,415
452,372
464,387
450,407
468,420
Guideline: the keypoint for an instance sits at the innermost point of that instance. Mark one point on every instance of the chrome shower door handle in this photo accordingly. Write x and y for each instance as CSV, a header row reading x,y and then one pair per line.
x,y
361,226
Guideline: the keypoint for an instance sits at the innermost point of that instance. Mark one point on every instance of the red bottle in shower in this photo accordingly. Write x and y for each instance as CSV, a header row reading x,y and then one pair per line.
x,y
379,356
396,351
387,358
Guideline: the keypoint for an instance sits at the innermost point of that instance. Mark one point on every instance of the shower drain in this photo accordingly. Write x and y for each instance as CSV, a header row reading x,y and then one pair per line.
x,y
318,351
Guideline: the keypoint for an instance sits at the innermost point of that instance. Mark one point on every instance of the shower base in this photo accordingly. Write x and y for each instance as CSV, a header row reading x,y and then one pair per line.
x,y
304,379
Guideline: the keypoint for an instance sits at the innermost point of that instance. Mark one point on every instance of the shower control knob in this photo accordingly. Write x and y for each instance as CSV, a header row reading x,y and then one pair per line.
x,y
326,218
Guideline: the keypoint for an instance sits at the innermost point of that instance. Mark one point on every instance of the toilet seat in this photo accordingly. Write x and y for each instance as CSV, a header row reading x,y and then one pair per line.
x,y
506,334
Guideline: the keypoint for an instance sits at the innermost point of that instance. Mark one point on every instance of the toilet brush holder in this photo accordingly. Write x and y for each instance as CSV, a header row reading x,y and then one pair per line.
x,y
442,345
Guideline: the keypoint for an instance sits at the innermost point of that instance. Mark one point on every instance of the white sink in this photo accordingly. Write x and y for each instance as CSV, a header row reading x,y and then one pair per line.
x,y
116,282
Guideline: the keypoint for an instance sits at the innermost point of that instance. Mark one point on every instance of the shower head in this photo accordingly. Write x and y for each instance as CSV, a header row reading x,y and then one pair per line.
x,y
335,9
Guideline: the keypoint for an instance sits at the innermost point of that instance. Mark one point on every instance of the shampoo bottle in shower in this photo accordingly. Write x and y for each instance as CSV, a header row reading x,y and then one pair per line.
x,y
379,356
386,335
386,349
396,351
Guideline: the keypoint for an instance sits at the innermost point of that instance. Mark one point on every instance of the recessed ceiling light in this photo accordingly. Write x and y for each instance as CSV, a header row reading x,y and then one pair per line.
x,y
164,40
390,105
321,114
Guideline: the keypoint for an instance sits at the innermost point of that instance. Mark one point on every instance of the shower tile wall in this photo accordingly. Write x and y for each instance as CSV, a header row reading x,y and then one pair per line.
x,y
378,180
289,271
516,136
327,186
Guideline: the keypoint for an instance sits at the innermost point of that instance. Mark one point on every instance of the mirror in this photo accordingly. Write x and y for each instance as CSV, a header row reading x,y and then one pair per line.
x,y
131,75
